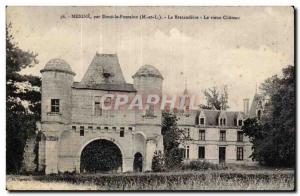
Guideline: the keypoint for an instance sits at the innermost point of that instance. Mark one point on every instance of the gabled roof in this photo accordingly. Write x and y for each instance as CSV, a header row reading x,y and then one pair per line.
x,y
104,68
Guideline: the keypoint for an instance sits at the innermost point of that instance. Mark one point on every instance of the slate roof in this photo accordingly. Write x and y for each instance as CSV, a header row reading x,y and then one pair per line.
x,y
107,87
148,70
104,68
211,117
58,64
104,73
254,105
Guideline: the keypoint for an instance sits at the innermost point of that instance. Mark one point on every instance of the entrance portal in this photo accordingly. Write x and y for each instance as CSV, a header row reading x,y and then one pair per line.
x,y
101,156
138,162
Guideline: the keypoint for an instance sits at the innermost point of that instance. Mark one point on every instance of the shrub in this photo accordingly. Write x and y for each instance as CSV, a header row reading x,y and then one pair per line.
x,y
202,165
158,162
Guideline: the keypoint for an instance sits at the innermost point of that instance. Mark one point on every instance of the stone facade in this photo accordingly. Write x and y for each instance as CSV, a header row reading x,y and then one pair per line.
x,y
71,118
71,124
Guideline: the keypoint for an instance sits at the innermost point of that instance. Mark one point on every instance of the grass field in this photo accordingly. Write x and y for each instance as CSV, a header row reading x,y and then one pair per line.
x,y
188,180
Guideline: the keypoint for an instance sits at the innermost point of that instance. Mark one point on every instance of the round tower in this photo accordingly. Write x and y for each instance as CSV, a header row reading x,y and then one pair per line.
x,y
57,80
148,80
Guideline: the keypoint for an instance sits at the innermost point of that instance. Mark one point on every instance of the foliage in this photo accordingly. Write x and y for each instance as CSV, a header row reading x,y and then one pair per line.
x,y
172,136
273,137
22,101
216,99
202,165
187,180
158,164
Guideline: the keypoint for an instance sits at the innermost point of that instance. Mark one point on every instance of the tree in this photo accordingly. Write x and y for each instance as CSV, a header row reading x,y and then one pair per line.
x,y
172,136
216,99
22,101
158,162
273,137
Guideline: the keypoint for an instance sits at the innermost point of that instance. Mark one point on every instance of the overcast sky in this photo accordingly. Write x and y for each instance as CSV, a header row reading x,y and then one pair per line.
x,y
237,53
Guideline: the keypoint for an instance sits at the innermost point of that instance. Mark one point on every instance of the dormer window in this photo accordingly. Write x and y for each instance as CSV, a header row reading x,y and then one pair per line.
x,y
240,122
222,122
202,118
201,121
222,119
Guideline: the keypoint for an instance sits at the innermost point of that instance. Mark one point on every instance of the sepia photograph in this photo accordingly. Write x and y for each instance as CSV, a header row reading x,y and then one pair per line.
x,y
150,98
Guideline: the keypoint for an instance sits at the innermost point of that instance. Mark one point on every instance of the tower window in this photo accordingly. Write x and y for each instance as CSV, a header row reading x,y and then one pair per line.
x,y
201,152
97,106
122,132
55,105
239,153
81,130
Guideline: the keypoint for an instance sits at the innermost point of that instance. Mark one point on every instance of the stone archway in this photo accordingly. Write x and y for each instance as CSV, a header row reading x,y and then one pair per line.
x,y
101,155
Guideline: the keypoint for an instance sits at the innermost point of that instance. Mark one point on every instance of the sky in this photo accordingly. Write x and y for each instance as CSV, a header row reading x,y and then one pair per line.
x,y
238,53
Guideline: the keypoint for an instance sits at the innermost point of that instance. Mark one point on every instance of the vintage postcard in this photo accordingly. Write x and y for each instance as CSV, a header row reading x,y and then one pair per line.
x,y
150,98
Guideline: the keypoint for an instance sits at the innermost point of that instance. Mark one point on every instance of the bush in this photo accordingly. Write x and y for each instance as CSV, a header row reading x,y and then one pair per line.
x,y
158,162
202,165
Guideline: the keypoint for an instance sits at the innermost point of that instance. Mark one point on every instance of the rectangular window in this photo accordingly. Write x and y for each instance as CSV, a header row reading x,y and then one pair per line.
x,y
187,132
81,130
130,128
73,128
202,135
122,132
222,135
240,136
201,152
239,153
105,128
201,121
114,128
55,105
97,106
98,128
90,128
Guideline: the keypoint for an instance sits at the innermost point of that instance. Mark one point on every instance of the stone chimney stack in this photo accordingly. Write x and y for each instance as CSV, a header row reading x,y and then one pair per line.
x,y
246,106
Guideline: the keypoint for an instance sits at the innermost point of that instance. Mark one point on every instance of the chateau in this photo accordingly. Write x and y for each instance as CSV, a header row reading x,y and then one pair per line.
x,y
74,123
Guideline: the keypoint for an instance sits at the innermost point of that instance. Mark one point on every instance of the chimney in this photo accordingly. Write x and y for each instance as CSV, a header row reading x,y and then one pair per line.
x,y
246,106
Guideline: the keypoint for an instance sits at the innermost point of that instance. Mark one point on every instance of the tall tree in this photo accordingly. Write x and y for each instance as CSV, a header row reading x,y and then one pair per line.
x,y
172,137
273,136
22,101
216,99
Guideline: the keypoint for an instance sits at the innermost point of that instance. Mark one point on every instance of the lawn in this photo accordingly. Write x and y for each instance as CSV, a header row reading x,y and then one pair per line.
x,y
245,180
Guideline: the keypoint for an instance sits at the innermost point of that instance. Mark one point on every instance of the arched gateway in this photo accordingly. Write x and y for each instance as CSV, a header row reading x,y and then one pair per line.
x,y
101,156
83,137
